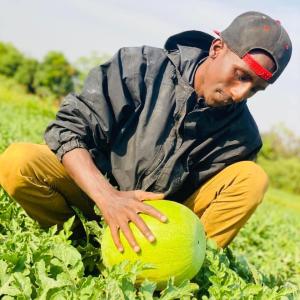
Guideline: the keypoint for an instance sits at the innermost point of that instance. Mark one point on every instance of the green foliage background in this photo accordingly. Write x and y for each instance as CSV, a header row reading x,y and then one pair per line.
x,y
280,157
54,75
262,263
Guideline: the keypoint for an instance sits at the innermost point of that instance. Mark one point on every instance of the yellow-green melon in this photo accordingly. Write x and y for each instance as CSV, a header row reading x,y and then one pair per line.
x,y
178,251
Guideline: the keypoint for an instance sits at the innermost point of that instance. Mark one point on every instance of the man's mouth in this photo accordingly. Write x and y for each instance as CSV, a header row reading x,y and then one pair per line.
x,y
224,99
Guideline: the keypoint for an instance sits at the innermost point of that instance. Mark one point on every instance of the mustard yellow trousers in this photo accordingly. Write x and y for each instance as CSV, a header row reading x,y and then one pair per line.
x,y
34,177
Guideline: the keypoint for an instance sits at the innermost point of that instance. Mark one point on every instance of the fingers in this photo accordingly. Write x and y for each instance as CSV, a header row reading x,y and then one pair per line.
x,y
151,211
115,233
148,208
142,195
130,237
145,230
125,207
154,196
116,237
124,226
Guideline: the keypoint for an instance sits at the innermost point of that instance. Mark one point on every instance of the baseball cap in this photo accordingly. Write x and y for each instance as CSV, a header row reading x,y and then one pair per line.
x,y
255,30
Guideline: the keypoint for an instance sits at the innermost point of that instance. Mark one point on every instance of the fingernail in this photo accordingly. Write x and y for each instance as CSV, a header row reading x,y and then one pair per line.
x,y
151,238
121,249
164,218
136,249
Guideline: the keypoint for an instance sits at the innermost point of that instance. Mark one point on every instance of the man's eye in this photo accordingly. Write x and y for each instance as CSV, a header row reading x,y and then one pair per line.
x,y
241,77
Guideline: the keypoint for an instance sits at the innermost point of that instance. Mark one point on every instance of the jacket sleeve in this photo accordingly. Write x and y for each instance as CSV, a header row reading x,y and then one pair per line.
x,y
89,120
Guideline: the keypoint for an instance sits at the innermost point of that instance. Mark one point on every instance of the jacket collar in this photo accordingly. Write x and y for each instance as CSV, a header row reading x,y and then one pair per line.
x,y
191,48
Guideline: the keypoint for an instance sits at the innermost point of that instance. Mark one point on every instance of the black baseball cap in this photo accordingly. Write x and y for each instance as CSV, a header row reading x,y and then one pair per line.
x,y
255,30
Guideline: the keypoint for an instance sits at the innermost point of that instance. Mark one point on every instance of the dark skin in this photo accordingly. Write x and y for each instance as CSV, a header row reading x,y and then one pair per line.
x,y
222,79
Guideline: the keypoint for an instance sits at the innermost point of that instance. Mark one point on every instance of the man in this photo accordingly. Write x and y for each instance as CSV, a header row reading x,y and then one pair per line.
x,y
159,123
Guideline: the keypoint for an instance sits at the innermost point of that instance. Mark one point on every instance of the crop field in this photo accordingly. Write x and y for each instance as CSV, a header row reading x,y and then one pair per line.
x,y
263,262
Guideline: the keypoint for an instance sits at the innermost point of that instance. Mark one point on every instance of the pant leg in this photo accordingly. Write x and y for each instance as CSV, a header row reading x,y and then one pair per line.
x,y
35,178
226,201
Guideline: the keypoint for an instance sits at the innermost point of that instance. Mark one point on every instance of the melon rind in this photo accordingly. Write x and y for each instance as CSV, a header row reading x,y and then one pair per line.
x,y
178,251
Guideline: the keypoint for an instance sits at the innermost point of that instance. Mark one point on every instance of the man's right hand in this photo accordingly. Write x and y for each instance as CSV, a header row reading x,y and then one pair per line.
x,y
118,207
123,207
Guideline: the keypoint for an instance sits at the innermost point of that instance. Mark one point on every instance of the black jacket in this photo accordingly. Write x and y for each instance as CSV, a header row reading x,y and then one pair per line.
x,y
139,117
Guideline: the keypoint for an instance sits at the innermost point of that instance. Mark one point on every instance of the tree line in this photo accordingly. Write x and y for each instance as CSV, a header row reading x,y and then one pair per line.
x,y
54,75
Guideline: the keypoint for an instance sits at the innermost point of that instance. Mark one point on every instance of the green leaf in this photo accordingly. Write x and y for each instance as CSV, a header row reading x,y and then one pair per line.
x,y
185,289
146,290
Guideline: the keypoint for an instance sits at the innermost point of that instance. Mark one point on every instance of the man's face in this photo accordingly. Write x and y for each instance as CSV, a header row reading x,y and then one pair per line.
x,y
224,78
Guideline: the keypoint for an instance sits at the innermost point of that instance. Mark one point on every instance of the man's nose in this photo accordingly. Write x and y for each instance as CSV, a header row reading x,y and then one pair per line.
x,y
240,92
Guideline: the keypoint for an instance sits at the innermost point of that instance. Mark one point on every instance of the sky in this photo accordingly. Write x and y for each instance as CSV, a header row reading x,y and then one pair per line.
x,y
79,27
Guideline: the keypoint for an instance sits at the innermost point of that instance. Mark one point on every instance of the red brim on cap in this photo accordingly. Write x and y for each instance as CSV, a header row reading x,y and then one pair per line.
x,y
254,65
257,68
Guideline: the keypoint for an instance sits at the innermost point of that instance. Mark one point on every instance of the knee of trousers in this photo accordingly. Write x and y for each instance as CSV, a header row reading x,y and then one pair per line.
x,y
16,162
254,179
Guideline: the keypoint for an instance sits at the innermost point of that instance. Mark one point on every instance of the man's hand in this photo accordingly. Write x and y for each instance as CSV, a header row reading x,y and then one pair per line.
x,y
124,207
118,208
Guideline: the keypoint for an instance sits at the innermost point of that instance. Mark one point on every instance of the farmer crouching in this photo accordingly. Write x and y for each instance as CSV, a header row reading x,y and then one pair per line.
x,y
167,123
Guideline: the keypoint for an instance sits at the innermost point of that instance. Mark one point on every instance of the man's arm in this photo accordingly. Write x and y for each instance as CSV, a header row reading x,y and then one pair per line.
x,y
88,121
118,207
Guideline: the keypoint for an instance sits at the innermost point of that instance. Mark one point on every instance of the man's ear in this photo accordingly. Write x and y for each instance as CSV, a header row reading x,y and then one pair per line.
x,y
216,47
